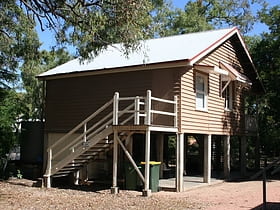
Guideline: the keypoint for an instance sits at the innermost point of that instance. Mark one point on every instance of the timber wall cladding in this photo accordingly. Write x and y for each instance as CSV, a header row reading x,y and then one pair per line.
x,y
71,100
216,120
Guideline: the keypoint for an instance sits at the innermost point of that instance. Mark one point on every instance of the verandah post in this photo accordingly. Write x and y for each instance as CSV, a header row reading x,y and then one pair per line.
x,y
207,159
115,108
47,176
147,191
137,110
148,108
85,134
227,157
176,111
180,162
114,188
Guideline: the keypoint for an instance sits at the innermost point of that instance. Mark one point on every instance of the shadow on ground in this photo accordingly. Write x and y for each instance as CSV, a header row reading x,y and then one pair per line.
x,y
90,186
269,206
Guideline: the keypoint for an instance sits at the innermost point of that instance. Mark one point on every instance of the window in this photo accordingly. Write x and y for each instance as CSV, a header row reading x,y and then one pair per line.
x,y
227,95
201,86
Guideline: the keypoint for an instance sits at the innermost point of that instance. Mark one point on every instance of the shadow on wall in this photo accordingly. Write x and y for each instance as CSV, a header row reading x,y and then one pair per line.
x,y
269,206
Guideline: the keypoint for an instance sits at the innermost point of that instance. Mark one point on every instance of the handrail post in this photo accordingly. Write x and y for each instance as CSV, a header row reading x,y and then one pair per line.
x,y
114,188
50,162
47,176
137,110
115,108
85,134
176,111
148,108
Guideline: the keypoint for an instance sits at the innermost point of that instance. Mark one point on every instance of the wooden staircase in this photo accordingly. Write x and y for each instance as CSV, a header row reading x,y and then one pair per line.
x,y
94,135
86,152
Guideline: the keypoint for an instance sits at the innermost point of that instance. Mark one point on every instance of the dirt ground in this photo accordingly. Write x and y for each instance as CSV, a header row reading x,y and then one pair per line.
x,y
21,194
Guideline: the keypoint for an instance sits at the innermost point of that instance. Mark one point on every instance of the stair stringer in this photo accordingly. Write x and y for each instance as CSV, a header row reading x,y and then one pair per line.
x,y
81,150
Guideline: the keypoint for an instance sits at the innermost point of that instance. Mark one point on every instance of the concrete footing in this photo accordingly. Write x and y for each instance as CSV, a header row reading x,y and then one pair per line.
x,y
146,193
114,190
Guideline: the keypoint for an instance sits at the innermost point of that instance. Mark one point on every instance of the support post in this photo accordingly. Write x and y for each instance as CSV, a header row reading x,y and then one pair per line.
x,y
180,163
47,176
243,150
176,111
148,108
47,181
83,174
77,177
207,159
147,191
85,134
116,108
226,157
137,110
114,188
160,146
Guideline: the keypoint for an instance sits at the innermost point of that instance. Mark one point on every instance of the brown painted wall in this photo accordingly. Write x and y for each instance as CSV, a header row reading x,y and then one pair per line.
x,y
71,100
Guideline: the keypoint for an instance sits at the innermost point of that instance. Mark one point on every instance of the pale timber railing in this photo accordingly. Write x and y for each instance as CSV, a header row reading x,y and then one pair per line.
x,y
116,112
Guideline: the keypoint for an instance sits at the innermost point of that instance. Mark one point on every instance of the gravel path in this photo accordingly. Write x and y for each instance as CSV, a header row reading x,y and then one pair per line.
x,y
18,194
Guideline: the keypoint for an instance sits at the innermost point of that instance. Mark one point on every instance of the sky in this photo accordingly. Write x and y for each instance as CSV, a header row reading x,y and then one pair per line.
x,y
48,40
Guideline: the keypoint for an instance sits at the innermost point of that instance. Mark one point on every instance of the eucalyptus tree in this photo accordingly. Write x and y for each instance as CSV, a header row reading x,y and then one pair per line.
x,y
267,59
33,97
201,15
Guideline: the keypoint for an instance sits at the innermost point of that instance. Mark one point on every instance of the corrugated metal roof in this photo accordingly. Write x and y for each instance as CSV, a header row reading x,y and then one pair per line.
x,y
174,48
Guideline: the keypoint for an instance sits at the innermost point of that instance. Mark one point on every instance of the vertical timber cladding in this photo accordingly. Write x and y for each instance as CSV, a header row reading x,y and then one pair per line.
x,y
71,100
216,120
165,86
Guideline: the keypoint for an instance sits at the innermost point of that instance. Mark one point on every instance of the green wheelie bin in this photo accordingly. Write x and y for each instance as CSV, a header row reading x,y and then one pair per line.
x,y
132,181
154,174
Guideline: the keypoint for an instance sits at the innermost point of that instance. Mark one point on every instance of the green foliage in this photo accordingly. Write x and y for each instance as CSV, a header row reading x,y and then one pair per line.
x,y
34,96
10,109
192,19
91,26
201,15
18,40
267,59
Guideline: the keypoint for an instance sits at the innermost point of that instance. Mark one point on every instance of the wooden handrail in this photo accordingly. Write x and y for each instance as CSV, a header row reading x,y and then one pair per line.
x,y
163,100
83,122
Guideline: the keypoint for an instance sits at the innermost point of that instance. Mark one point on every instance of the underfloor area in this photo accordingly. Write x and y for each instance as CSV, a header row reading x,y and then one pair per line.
x,y
190,182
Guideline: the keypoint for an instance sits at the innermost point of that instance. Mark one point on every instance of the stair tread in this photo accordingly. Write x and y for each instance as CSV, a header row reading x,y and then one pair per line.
x,y
69,169
83,158
71,166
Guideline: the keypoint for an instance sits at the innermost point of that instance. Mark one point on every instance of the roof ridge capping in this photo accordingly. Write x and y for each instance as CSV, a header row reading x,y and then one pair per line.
x,y
185,47
192,33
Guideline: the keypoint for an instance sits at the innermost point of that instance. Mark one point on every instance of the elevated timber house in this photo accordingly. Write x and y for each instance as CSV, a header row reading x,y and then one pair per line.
x,y
185,85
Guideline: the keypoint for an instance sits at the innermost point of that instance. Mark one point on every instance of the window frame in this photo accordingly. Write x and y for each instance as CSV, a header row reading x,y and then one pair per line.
x,y
205,92
227,95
